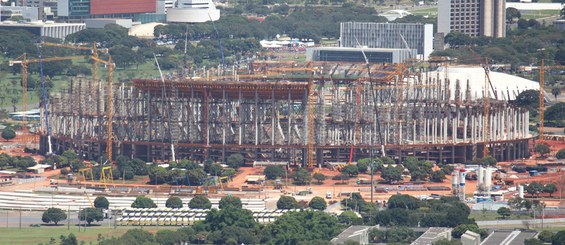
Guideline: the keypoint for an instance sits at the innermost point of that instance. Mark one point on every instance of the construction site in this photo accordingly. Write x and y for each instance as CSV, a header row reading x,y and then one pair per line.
x,y
310,114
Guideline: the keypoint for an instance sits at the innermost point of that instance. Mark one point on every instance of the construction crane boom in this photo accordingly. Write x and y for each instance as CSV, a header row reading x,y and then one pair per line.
x,y
542,95
110,104
311,117
486,97
24,62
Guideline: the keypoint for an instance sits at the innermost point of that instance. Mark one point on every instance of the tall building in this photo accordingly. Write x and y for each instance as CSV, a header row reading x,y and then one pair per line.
x,y
472,17
388,35
73,9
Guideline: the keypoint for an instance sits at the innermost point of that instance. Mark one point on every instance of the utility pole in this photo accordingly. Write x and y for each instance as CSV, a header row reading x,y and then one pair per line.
x,y
68,216
20,218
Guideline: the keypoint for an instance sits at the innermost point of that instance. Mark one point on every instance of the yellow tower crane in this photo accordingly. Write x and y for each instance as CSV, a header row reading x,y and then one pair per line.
x,y
24,62
542,95
110,105
486,95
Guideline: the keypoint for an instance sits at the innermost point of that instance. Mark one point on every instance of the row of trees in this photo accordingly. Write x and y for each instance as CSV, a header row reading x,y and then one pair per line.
x,y
233,225
19,162
406,210
55,215
516,49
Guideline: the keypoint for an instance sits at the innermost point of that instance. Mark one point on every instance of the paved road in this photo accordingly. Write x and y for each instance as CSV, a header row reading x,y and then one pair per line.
x,y
519,222
11,218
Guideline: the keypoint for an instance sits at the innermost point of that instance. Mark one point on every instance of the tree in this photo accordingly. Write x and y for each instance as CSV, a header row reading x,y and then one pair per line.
x,y
555,91
8,133
528,98
195,176
53,215
534,188
545,236
287,202
143,202
391,174
318,203
101,202
403,201
555,112
349,217
437,176
504,212
511,14
533,241
459,230
274,172
293,227
560,154
363,164
550,188
230,201
235,160
70,240
302,176
215,169
320,177
168,237
558,238
158,175
456,39
200,202
90,215
173,202
350,170
542,149
487,161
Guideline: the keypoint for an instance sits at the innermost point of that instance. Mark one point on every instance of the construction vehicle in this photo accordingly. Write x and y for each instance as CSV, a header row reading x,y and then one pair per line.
x,y
106,175
221,181
84,173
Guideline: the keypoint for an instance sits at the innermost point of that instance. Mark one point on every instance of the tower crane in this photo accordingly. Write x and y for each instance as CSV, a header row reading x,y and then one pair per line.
x,y
486,97
542,94
110,95
24,61
311,117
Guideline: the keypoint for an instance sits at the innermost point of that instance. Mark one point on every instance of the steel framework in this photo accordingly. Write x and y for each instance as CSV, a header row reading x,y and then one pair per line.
x,y
265,116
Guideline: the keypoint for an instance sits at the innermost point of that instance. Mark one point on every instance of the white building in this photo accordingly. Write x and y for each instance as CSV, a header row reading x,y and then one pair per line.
x,y
46,29
472,17
100,23
389,36
374,55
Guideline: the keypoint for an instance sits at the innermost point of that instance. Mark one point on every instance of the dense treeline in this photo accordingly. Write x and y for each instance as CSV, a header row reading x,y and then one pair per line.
x,y
406,210
520,47
233,225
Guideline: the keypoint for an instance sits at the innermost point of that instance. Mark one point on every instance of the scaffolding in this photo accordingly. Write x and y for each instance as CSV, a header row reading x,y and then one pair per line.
x,y
267,117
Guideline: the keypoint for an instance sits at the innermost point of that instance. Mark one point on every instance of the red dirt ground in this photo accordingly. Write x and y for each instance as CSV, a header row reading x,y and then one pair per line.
x,y
329,185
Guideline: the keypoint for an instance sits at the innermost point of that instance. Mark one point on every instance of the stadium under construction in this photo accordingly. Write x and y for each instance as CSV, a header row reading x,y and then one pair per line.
x,y
283,112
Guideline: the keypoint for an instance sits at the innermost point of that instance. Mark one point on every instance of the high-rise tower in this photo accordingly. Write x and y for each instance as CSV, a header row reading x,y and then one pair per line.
x,y
473,17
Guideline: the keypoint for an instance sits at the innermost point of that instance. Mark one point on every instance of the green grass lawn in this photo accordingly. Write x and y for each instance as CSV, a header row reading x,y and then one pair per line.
x,y
480,216
537,14
36,235
145,70
431,11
